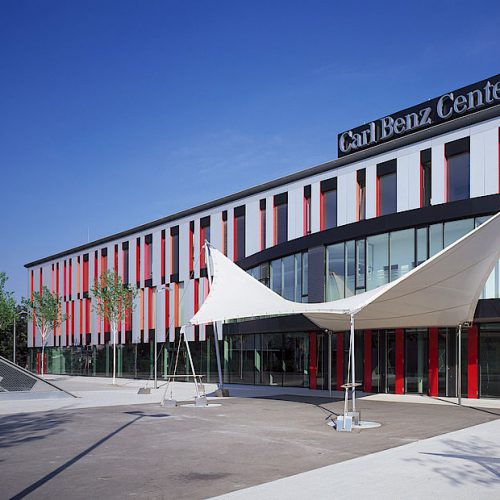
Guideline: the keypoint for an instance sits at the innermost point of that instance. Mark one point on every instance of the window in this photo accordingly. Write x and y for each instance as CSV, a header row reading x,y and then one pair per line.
x,y
457,155
174,253
191,248
329,203
262,207
85,285
224,232
239,233
138,261
335,272
386,188
402,249
307,210
425,178
361,194
280,218
125,275
162,257
377,272
204,236
148,259
288,276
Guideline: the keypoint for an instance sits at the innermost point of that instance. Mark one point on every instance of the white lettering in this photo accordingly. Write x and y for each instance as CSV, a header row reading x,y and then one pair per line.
x,y
440,106
460,104
344,144
399,125
425,117
496,90
387,128
475,98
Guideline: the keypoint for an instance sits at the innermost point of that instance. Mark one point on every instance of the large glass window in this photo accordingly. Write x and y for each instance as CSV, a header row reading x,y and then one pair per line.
x,y
422,248
377,272
435,239
335,272
289,277
416,361
174,250
387,194
456,229
401,253
350,269
360,266
489,359
307,210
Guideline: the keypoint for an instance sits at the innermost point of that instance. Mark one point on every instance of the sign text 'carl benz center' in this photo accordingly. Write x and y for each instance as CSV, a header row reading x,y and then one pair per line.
x,y
446,107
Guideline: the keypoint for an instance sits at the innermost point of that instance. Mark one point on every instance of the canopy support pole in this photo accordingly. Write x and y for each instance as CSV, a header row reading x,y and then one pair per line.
x,y
459,374
353,368
329,362
216,336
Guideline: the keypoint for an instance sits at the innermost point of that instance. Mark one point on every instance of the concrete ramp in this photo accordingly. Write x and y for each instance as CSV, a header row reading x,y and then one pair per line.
x,y
18,382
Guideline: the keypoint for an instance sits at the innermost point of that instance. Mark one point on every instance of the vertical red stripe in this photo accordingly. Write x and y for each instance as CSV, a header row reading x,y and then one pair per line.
x,y
472,382
433,362
367,375
421,182
313,361
138,261
167,313
70,277
275,220
377,196
340,360
162,256
73,322
196,288
400,337
191,238
33,321
85,286
150,309
321,212
176,305
445,176
67,323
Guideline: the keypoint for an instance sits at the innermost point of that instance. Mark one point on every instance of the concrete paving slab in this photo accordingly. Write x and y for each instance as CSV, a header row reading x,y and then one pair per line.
x,y
146,451
463,464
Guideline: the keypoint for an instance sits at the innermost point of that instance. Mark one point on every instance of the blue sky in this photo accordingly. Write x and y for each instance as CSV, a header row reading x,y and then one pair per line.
x,y
115,113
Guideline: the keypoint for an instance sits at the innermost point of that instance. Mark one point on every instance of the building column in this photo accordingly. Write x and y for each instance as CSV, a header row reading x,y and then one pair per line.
x,y
313,362
400,378
340,360
433,362
367,362
472,343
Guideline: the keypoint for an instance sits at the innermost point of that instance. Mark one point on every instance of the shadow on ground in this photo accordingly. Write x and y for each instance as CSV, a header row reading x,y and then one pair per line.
x,y
27,427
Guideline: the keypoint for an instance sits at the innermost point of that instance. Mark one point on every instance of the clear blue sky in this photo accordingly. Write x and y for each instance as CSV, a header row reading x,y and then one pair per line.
x,y
115,113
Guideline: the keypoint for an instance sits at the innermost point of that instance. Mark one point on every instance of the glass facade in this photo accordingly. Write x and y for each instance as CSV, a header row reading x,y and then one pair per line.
x,y
387,194
458,176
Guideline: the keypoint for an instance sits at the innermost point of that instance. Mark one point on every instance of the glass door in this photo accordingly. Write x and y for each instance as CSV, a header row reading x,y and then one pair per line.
x,y
416,361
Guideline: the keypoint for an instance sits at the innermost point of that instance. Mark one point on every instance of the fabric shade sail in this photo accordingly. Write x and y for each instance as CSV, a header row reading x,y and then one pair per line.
x,y
443,291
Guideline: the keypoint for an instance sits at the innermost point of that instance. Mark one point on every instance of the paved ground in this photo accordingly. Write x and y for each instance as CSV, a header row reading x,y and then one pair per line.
x,y
459,465
145,451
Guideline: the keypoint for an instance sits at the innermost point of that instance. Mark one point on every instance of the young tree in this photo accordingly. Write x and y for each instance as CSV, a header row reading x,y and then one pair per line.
x,y
113,300
45,310
7,305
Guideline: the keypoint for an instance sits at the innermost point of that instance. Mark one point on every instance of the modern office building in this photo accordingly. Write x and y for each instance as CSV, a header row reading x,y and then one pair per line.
x,y
403,188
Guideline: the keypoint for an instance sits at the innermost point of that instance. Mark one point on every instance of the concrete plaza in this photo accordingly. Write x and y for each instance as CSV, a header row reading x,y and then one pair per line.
x,y
277,441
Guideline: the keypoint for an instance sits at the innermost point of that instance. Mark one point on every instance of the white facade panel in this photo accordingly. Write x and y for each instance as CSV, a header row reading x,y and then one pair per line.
x,y
413,176
315,206
252,227
371,191
438,174
402,184
156,263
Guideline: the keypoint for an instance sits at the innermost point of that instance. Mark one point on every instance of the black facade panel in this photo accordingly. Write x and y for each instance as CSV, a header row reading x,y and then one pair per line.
x,y
387,167
239,211
316,276
328,184
280,199
293,323
425,156
472,207
457,147
307,191
148,239
487,310
205,221
262,204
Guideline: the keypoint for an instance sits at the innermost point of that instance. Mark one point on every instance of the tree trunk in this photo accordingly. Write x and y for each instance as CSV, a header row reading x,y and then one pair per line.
x,y
43,352
114,328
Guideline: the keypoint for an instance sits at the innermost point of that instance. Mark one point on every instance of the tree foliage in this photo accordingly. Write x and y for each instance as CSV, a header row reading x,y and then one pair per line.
x,y
113,299
7,304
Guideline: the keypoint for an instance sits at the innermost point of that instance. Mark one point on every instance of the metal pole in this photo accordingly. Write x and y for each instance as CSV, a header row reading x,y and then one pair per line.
x,y
14,344
330,362
353,370
459,374
217,353
183,332
156,341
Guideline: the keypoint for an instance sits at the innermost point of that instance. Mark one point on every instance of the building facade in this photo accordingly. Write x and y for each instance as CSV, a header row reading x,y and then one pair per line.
x,y
402,189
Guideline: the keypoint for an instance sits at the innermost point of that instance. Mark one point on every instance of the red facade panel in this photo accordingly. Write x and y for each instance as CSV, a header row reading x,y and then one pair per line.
x,y
340,360
313,361
472,382
400,376
367,369
433,362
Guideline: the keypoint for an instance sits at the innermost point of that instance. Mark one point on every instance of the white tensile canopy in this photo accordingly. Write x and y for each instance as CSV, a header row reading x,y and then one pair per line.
x,y
443,291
